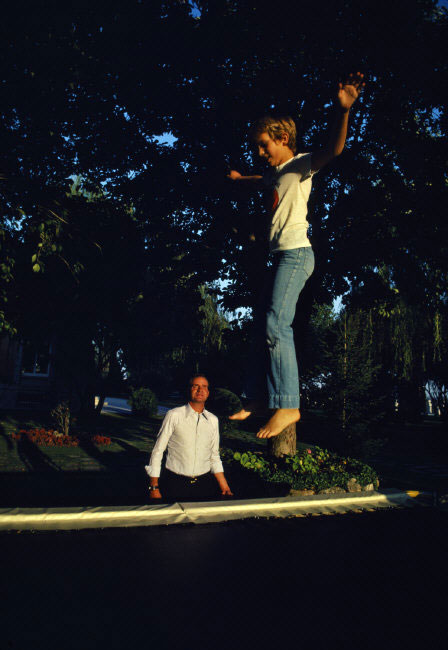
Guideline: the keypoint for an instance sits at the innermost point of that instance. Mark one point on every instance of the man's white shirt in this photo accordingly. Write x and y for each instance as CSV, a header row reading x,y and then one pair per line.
x,y
192,443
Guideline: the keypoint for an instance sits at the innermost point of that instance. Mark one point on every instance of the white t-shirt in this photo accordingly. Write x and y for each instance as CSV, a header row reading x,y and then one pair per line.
x,y
290,187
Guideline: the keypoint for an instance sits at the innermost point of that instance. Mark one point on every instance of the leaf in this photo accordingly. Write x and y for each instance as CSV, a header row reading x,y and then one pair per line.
x,y
36,268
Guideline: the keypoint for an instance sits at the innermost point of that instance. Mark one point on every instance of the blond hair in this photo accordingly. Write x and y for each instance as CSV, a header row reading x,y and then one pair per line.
x,y
275,127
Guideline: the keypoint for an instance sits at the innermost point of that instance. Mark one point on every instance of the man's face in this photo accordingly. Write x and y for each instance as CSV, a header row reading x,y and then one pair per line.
x,y
275,152
199,390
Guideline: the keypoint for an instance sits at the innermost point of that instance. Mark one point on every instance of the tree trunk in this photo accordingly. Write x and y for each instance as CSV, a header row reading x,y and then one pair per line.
x,y
285,443
99,406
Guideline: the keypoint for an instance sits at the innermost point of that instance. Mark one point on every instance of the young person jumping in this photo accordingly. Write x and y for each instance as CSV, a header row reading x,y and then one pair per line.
x,y
289,181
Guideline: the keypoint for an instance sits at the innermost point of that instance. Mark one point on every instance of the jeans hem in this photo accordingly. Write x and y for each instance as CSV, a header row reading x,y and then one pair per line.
x,y
283,402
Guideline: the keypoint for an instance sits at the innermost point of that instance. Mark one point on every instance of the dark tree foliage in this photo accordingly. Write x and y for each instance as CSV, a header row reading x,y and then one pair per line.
x,y
87,87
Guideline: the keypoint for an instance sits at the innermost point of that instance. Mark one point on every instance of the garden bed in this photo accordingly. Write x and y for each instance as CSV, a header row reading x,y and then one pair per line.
x,y
309,471
52,438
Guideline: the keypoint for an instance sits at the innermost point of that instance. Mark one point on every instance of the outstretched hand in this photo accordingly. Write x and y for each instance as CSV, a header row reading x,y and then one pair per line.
x,y
350,90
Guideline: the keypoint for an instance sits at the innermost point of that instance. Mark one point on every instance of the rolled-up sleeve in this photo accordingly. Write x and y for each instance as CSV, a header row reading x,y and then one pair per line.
x,y
165,433
215,459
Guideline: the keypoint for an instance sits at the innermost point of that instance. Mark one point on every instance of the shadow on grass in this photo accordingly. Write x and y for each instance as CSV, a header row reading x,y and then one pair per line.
x,y
6,437
33,458
29,454
113,460
13,421
122,425
231,439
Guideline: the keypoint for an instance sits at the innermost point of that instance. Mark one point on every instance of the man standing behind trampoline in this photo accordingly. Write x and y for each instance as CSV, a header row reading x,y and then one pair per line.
x,y
289,181
191,436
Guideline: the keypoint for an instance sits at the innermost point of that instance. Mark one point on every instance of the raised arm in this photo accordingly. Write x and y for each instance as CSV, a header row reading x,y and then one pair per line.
x,y
348,93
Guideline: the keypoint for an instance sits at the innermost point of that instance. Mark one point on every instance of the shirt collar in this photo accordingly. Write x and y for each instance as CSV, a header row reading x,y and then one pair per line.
x,y
189,411
282,165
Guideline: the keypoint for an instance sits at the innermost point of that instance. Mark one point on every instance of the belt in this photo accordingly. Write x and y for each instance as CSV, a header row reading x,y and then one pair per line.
x,y
191,479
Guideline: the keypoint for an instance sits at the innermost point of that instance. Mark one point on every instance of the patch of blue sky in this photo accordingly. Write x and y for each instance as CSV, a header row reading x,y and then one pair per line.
x,y
15,222
165,139
239,313
337,304
194,10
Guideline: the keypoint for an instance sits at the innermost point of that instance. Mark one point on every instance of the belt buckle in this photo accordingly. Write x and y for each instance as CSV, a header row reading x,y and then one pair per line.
x,y
193,480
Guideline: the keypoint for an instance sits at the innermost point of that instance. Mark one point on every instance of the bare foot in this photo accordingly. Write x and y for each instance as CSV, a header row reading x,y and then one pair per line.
x,y
251,407
241,415
279,421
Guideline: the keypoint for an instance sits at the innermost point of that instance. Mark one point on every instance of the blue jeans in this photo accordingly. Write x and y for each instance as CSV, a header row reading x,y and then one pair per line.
x,y
274,375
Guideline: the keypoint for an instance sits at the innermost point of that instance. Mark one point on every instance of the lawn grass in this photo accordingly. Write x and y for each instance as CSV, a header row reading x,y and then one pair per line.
x,y
131,438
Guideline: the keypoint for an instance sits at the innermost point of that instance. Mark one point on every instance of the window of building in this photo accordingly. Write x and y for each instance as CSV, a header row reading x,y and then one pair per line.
x,y
36,359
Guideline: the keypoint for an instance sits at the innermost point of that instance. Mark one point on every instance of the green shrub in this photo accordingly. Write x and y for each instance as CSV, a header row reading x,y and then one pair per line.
x,y
62,417
223,402
254,461
312,469
143,402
